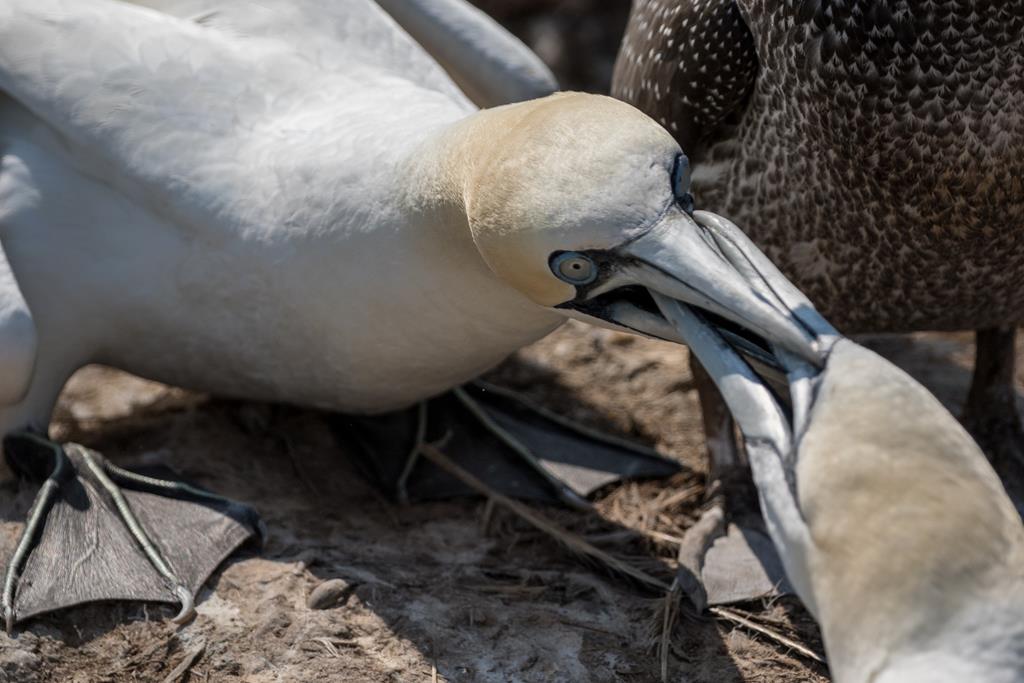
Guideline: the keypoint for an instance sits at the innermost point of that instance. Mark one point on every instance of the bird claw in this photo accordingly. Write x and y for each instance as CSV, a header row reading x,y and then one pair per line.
x,y
188,609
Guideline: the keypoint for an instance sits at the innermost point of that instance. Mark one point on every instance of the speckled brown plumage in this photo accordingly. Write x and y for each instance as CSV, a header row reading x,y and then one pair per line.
x,y
688,64
876,154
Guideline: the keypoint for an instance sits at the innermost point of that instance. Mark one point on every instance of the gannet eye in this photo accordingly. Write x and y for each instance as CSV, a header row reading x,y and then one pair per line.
x,y
574,267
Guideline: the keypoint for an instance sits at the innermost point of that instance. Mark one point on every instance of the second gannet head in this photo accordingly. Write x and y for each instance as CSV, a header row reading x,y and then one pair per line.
x,y
892,526
582,203
918,562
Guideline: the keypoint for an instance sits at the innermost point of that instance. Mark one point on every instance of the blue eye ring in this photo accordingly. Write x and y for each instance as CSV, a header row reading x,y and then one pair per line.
x,y
573,267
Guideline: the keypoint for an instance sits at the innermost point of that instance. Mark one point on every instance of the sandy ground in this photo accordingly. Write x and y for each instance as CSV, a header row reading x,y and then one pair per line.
x,y
430,593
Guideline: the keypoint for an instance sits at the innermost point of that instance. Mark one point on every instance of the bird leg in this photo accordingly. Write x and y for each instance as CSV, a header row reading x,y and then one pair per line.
x,y
991,413
59,468
402,485
99,532
747,567
694,549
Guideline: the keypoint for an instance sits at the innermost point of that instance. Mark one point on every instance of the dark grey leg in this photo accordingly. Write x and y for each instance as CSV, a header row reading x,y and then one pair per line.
x,y
33,522
730,493
402,485
991,412
696,542
724,459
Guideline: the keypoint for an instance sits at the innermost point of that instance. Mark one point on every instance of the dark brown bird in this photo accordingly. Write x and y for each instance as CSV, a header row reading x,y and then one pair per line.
x,y
874,149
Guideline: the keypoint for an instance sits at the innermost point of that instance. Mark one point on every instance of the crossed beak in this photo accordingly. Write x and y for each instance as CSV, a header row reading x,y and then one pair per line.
x,y
701,282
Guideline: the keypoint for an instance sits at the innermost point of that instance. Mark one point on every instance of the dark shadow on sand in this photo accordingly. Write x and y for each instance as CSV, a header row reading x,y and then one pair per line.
x,y
308,498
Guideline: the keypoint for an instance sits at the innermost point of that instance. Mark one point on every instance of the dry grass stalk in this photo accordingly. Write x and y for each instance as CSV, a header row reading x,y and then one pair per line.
x,y
644,508
566,538
670,613
679,497
735,617
662,537
577,544
326,644
191,657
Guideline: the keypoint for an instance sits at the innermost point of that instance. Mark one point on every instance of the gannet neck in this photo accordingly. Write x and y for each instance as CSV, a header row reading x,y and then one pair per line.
x,y
983,641
450,173
986,643
440,174
432,181
917,549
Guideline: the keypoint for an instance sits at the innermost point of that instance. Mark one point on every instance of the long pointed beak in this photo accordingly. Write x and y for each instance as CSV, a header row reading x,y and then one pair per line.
x,y
707,263
753,406
716,292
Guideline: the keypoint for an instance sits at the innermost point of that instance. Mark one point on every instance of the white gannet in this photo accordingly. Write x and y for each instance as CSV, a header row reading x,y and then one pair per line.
x,y
293,202
893,527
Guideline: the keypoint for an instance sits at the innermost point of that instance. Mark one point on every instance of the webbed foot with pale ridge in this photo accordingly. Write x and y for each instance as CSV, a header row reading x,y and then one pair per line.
x,y
97,532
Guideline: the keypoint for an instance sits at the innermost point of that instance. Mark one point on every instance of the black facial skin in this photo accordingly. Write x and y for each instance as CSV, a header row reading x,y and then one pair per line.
x,y
750,345
681,183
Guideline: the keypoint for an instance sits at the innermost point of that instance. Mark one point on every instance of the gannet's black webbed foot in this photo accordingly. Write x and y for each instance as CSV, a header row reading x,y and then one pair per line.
x,y
100,532
726,556
991,413
516,448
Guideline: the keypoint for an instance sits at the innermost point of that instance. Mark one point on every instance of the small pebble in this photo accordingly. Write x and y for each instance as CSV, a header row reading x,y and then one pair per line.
x,y
330,593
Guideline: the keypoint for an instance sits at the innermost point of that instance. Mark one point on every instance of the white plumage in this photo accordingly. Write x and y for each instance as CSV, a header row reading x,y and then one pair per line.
x,y
916,553
226,201
893,528
273,200
291,201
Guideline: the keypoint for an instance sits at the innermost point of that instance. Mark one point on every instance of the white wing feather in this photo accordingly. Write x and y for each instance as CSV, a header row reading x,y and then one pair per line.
x,y
330,34
17,335
216,127
490,64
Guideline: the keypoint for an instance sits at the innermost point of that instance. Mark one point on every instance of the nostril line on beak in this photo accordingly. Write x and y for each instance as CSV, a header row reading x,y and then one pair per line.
x,y
731,253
